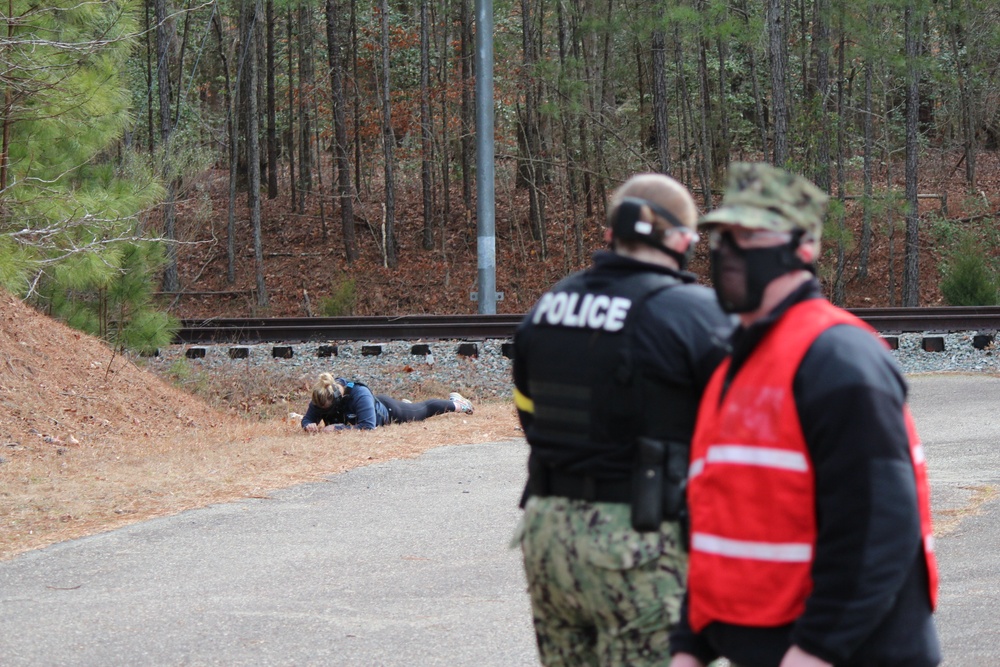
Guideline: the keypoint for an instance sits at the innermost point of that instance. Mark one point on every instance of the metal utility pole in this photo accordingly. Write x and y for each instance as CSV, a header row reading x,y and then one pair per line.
x,y
485,187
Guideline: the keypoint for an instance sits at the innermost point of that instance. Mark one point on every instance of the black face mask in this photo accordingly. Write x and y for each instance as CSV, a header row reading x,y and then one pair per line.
x,y
740,276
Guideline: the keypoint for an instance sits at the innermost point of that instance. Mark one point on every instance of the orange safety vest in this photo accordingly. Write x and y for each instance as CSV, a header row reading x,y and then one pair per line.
x,y
751,488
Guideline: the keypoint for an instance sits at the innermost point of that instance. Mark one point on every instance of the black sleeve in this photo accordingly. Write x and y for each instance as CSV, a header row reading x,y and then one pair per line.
x,y
850,397
687,319
684,640
522,395
682,336
313,415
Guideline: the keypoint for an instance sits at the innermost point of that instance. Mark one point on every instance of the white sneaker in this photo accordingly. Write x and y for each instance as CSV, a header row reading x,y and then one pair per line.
x,y
462,404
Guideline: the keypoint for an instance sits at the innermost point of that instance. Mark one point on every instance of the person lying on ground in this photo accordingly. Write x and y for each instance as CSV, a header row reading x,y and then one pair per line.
x,y
338,404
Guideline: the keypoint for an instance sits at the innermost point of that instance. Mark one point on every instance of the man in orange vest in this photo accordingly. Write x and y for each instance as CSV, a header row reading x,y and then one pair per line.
x,y
810,536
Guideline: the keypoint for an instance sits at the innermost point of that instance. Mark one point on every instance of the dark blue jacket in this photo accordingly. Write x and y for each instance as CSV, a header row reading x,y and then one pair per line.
x,y
358,409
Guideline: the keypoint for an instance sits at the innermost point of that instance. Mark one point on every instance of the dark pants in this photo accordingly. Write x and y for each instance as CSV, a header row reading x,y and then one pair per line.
x,y
400,412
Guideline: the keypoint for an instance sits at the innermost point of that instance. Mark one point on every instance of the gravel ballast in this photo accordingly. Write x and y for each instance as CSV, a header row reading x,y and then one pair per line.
x,y
399,372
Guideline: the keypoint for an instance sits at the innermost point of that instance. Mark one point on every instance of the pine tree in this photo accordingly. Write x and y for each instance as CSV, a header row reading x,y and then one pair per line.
x,y
71,193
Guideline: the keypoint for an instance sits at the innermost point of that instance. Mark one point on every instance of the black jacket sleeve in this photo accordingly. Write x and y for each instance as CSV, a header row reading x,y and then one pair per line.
x,y
850,397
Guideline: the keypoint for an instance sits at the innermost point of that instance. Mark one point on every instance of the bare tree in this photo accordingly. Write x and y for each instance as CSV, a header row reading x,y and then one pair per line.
x,y
864,252
426,136
345,189
778,56
272,130
289,141
388,140
304,15
529,172
468,117
164,36
660,112
232,136
250,12
911,266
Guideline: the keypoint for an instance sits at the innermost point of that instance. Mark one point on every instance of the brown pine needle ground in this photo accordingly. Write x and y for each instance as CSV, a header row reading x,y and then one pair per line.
x,y
89,441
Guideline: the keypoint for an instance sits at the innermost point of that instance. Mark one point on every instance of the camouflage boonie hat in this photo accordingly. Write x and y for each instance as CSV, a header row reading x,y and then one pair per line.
x,y
759,196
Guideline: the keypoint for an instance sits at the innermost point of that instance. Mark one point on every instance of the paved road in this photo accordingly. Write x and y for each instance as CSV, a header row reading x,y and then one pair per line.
x,y
406,563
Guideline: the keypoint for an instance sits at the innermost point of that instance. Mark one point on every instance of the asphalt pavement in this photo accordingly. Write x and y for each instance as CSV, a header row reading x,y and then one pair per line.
x,y
407,563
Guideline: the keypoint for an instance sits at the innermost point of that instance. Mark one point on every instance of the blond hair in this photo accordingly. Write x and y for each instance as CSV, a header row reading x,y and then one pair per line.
x,y
326,391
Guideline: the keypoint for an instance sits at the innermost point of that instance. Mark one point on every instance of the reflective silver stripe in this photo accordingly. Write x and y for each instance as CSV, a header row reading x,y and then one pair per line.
x,y
778,552
696,468
929,543
918,453
765,457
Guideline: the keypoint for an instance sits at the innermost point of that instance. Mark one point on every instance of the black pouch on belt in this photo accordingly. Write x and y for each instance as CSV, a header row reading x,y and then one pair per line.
x,y
647,485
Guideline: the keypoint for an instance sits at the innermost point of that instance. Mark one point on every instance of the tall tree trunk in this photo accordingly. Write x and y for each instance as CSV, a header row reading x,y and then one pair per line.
x,y
706,160
468,110
290,142
231,129
578,50
911,267
684,113
251,39
839,287
8,101
356,97
171,282
387,144
660,112
305,122
724,142
426,137
821,92
149,69
445,153
565,120
758,101
272,129
968,112
528,132
345,190
778,57
864,251
180,62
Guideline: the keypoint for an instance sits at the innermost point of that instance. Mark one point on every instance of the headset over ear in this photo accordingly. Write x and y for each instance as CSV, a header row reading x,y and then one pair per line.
x,y
628,225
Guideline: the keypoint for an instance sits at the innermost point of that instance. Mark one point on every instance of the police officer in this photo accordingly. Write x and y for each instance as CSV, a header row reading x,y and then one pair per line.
x,y
810,519
608,369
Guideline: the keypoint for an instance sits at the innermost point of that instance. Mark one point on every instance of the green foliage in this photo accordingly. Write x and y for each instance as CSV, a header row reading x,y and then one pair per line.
x,y
341,300
968,277
70,238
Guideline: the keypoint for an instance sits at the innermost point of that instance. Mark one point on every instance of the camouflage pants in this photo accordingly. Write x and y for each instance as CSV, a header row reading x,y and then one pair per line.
x,y
601,593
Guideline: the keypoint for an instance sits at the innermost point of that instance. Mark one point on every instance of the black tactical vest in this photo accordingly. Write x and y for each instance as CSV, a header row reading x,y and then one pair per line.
x,y
583,377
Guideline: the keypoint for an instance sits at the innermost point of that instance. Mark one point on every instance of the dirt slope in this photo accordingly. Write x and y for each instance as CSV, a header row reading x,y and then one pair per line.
x,y
90,440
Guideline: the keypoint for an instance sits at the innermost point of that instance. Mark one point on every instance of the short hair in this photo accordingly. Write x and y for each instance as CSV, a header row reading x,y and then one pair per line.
x,y
662,192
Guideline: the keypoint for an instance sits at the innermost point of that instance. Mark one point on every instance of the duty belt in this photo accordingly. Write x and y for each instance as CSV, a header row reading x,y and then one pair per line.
x,y
586,487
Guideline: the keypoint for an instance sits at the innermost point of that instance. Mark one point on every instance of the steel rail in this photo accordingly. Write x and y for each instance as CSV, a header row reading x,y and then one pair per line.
x,y
943,319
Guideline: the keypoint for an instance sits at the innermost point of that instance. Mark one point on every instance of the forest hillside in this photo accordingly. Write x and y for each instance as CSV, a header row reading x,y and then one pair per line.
x,y
308,275
163,160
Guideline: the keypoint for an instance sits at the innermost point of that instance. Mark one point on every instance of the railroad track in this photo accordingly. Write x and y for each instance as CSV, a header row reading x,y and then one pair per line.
x,y
482,327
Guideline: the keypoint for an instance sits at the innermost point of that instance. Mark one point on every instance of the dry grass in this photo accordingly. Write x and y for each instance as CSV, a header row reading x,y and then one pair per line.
x,y
56,494
89,441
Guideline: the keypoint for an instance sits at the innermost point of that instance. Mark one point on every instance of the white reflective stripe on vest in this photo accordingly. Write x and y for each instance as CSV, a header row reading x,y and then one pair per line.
x,y
765,457
918,453
779,552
